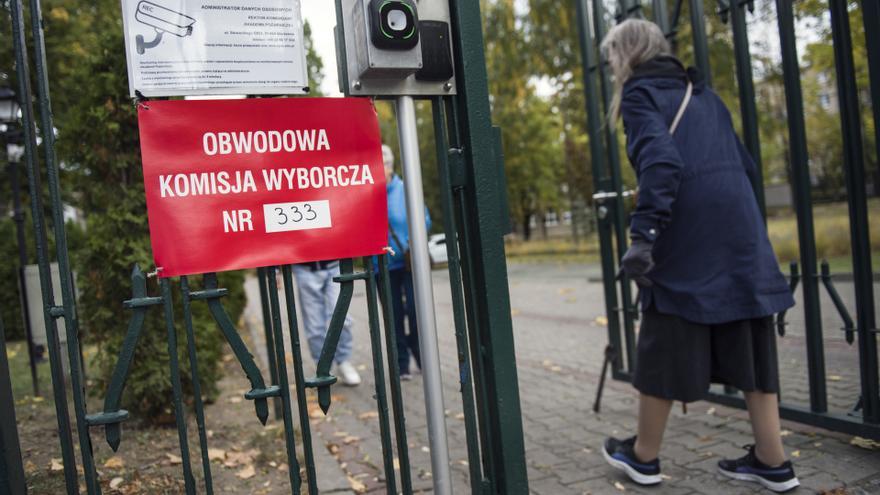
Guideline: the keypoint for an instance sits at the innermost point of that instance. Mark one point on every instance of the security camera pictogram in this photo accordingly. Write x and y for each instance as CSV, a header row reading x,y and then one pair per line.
x,y
163,20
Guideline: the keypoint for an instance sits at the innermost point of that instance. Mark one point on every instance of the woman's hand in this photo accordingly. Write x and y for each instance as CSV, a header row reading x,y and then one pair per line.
x,y
638,262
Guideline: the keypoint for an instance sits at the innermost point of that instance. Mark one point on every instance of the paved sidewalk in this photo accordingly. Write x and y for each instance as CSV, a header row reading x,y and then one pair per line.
x,y
560,337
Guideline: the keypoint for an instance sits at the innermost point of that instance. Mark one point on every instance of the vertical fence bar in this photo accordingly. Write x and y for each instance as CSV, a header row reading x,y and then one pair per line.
x,y
281,360
871,20
701,44
196,384
475,330
854,165
379,376
627,308
458,310
601,182
746,85
176,388
661,15
299,380
262,279
800,171
42,246
12,479
393,369
492,297
68,309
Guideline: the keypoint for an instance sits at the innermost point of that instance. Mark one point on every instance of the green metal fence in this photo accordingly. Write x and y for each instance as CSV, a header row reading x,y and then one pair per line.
x,y
474,203
864,419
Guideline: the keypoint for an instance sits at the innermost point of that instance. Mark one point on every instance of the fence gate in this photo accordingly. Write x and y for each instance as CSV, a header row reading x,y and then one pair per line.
x,y
809,275
473,202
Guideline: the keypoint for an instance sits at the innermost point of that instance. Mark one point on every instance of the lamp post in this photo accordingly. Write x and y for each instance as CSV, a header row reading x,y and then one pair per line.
x,y
11,137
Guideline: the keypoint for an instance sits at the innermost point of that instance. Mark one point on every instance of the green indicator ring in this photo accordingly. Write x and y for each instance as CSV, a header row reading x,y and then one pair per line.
x,y
412,31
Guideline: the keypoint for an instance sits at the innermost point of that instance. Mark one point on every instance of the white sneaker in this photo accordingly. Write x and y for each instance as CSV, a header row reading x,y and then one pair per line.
x,y
350,376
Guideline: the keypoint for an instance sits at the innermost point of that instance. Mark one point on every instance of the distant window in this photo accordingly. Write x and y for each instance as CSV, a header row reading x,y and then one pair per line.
x,y
825,100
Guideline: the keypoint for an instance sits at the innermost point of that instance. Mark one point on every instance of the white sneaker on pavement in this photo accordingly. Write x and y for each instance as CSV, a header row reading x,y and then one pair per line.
x,y
350,376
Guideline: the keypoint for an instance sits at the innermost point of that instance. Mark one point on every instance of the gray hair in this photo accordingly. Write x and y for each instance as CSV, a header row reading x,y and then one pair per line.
x,y
628,44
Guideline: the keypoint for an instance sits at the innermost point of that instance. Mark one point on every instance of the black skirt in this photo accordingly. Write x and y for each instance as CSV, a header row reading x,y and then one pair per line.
x,y
678,359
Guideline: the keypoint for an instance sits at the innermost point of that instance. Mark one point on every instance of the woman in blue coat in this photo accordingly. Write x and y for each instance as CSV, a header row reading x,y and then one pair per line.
x,y
710,282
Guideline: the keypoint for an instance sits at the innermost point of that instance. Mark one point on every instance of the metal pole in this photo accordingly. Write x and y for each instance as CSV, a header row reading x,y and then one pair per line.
x,y
12,479
746,85
854,166
800,171
424,294
601,182
701,45
41,242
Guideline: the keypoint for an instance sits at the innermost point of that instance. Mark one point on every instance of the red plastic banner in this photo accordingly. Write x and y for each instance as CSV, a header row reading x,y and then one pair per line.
x,y
241,184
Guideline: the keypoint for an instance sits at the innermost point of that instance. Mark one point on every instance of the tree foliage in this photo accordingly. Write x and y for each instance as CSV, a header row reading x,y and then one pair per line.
x,y
101,175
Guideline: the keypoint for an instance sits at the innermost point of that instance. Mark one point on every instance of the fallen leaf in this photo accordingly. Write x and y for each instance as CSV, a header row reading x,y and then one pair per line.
x,y
865,443
425,449
29,467
711,411
350,440
55,465
368,415
247,473
173,459
515,312
834,378
602,321
796,453
273,464
235,459
665,477
114,462
38,399
11,353
235,400
619,486
356,485
566,290
556,369
115,483
817,444
459,416
396,463
340,434
216,454
282,466
785,433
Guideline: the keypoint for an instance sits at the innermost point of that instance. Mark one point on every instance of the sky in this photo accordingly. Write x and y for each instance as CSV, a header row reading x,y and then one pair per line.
x,y
321,15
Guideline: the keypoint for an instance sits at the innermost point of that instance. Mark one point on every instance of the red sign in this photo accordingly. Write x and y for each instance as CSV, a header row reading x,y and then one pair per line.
x,y
248,183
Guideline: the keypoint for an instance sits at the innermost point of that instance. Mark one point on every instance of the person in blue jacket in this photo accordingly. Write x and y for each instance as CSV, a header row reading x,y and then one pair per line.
x,y
402,297
710,282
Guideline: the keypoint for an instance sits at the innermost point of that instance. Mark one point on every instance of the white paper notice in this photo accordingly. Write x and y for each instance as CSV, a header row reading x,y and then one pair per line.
x,y
209,47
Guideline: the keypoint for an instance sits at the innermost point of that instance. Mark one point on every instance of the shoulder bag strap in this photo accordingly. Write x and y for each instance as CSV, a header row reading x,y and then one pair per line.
x,y
684,104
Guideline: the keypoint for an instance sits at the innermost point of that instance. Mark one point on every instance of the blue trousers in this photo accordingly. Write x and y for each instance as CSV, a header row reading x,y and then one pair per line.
x,y
317,298
404,307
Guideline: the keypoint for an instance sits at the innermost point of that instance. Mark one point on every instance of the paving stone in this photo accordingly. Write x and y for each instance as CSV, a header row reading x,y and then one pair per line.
x,y
563,437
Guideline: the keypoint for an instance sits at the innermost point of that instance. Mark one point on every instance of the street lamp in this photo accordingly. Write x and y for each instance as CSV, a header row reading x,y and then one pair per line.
x,y
9,109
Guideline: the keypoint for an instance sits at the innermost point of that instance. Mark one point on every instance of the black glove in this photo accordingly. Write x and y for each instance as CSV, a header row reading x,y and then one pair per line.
x,y
638,262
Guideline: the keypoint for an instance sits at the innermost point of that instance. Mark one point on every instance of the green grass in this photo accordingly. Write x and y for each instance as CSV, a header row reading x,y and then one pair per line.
x,y
20,373
831,225
554,251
